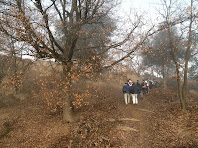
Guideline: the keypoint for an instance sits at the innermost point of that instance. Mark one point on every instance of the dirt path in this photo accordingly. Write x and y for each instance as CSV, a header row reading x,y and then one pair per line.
x,y
135,124
144,125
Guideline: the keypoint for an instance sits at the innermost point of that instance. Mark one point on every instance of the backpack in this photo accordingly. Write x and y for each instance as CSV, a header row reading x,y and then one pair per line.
x,y
132,89
144,86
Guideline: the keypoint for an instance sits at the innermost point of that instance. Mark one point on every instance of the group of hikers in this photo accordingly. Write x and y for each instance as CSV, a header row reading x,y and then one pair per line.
x,y
136,90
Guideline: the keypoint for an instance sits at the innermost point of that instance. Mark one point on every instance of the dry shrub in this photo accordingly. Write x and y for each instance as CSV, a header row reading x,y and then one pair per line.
x,y
93,128
10,90
7,86
86,89
44,80
53,89
37,71
11,85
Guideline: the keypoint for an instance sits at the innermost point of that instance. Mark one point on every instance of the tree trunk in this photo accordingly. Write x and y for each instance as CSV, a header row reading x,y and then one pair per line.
x,y
187,57
164,77
14,66
179,87
173,54
67,107
184,88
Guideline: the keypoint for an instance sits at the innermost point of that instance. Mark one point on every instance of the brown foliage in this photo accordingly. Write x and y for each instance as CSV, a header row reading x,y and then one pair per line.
x,y
96,123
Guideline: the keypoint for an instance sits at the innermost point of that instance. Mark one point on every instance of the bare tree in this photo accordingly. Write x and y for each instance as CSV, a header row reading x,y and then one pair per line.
x,y
187,44
158,54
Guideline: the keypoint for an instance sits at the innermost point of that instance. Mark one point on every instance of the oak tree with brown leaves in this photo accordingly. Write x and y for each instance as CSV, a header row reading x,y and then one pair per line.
x,y
35,23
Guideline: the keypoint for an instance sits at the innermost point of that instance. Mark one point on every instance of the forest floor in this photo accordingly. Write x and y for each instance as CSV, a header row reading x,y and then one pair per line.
x,y
156,121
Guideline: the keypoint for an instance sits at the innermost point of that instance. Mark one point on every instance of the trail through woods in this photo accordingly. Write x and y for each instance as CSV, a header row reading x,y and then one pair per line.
x,y
135,122
156,121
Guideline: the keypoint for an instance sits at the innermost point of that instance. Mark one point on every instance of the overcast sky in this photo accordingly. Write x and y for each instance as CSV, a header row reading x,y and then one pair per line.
x,y
148,7
140,5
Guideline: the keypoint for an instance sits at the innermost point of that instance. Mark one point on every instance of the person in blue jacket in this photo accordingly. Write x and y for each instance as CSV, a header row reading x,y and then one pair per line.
x,y
135,90
126,89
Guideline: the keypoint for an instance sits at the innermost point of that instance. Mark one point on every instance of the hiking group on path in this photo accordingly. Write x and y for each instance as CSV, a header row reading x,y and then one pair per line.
x,y
136,90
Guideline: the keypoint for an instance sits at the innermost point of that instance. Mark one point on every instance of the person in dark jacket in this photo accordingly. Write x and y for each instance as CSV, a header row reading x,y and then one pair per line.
x,y
144,87
126,89
140,87
135,91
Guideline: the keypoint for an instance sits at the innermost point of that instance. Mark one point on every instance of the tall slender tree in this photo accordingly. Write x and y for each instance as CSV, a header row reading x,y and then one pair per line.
x,y
186,40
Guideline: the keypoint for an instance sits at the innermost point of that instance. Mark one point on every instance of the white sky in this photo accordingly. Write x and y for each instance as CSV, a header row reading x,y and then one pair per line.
x,y
141,5
148,7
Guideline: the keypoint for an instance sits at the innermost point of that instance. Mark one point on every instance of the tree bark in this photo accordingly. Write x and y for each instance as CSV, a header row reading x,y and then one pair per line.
x,y
179,87
164,77
14,65
67,107
178,74
187,57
